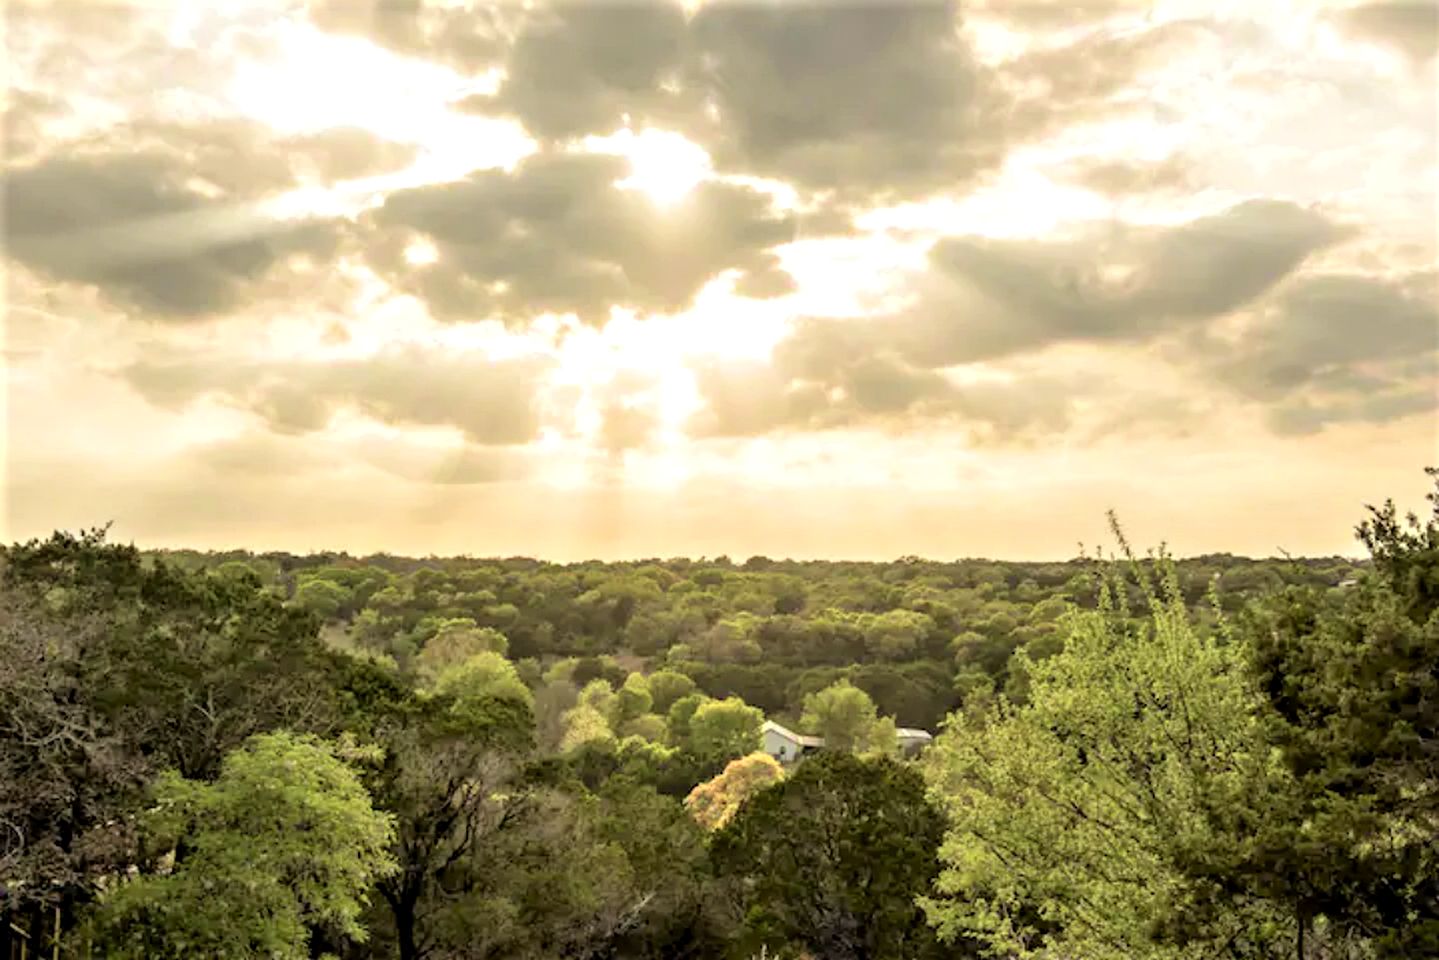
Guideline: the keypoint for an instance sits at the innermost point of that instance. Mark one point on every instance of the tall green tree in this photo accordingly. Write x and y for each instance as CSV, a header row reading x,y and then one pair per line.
x,y
1351,683
1074,816
452,776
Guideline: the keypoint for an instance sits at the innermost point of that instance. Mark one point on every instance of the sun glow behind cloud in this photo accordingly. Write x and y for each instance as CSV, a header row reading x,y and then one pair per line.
x,y
1271,101
664,166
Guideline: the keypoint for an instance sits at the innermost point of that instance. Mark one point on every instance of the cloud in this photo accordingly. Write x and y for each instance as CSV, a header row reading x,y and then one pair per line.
x,y
1052,13
985,298
822,378
1339,347
27,114
490,401
556,235
136,227
1119,177
1409,26
344,153
870,98
468,36
577,68
862,102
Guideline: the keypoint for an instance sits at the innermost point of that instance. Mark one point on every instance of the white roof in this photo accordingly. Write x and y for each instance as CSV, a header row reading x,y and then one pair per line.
x,y
911,733
806,741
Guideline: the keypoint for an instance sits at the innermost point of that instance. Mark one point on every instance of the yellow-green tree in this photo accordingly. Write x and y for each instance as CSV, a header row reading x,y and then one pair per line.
x,y
1074,819
714,802
285,839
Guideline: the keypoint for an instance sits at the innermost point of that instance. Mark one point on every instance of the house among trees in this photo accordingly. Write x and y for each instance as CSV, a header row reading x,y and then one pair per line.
x,y
786,746
912,740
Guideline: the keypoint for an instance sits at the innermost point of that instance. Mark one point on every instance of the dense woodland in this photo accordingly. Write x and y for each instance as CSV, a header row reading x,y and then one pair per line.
x,y
266,755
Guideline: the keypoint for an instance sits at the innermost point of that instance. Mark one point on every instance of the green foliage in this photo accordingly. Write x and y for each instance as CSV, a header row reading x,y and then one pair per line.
x,y
647,726
667,686
633,699
681,715
322,598
285,839
584,724
1072,817
113,667
831,861
725,729
537,813
1351,683
484,675
455,641
846,718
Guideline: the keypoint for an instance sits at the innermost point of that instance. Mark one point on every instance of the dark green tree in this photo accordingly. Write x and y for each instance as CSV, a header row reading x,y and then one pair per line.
x,y
831,861
1351,680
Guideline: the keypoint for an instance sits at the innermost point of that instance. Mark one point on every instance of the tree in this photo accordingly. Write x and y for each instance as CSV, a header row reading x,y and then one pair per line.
x,y
846,718
666,854
1073,817
832,859
633,699
667,686
484,675
714,802
452,779
723,729
680,716
896,634
647,726
455,641
113,667
322,598
284,840
584,724
1351,686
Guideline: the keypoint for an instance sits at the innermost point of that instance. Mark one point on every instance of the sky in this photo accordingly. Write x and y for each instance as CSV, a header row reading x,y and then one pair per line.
x,y
647,279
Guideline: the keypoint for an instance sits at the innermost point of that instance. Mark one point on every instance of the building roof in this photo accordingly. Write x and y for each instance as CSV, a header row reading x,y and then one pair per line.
x,y
803,740
913,733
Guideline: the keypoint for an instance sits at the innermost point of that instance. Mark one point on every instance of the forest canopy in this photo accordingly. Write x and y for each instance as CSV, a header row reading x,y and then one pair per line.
x,y
267,755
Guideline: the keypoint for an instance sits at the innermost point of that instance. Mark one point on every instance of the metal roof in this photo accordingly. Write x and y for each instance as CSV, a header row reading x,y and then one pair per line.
x,y
799,738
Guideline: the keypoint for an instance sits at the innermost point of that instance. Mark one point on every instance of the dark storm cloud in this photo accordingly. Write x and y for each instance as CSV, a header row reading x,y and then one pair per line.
x,y
133,226
1410,26
557,235
490,401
